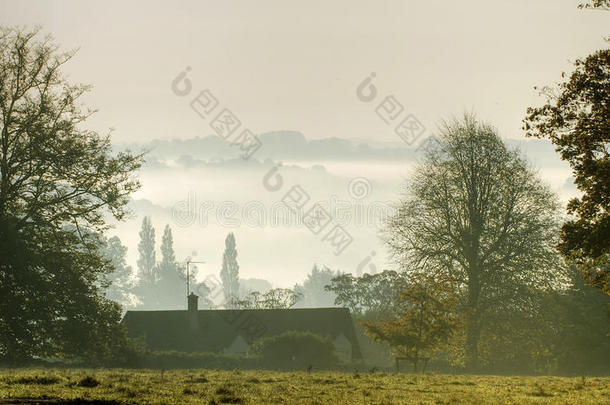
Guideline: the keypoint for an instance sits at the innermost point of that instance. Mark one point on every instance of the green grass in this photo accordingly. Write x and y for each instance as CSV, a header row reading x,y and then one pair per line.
x,y
268,387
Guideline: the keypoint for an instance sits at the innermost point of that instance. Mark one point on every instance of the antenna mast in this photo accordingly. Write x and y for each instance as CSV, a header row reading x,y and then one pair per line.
x,y
188,276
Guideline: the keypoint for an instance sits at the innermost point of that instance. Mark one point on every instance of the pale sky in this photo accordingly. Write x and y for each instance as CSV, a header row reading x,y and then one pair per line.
x,y
286,65
281,65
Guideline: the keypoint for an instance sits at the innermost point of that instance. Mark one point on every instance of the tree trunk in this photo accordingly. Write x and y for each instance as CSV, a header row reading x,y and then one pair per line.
x,y
472,324
472,341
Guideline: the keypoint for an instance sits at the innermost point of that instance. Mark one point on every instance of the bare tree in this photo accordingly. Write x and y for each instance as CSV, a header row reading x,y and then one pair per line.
x,y
276,298
476,215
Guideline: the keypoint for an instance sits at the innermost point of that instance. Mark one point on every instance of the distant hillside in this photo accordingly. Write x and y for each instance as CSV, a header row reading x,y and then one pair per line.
x,y
292,145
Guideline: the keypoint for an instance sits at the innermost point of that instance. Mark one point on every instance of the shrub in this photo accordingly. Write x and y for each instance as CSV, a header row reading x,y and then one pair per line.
x,y
38,380
174,359
89,382
296,351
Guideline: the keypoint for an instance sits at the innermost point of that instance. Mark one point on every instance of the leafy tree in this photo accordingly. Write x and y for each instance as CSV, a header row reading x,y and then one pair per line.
x,y
204,292
475,214
148,273
146,250
345,288
577,121
229,274
168,257
598,4
370,295
582,345
518,338
120,278
313,289
58,183
171,283
424,321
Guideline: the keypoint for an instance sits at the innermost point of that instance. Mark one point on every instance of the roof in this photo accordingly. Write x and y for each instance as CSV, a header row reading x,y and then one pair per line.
x,y
215,330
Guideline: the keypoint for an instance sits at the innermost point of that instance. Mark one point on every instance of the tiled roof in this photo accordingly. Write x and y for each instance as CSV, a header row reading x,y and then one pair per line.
x,y
217,329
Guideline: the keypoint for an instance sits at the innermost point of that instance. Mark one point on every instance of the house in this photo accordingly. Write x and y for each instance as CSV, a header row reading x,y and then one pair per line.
x,y
233,331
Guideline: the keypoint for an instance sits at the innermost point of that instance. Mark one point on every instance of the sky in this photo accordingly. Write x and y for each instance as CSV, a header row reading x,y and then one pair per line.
x,y
293,69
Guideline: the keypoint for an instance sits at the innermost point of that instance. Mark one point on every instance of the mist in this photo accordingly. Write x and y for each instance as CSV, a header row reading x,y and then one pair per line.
x,y
322,202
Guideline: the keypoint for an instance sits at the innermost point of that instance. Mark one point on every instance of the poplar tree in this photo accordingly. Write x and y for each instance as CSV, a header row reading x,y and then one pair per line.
x,y
229,274
171,283
146,289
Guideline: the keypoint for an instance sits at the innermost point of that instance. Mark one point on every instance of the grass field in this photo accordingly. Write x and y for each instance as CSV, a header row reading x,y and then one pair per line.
x,y
95,386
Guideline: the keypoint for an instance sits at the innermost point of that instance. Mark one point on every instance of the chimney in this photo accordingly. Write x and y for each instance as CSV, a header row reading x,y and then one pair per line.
x,y
192,311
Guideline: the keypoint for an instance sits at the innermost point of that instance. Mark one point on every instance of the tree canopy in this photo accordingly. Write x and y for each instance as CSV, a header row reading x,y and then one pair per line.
x,y
476,216
120,286
58,182
276,298
229,274
423,322
313,291
577,121
598,4
370,295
